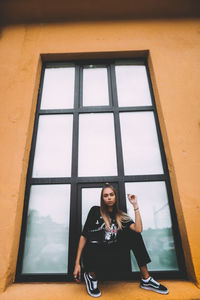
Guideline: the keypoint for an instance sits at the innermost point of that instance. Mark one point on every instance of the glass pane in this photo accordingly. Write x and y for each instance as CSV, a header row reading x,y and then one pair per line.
x,y
141,150
95,87
132,86
58,88
157,226
53,147
97,152
90,197
46,244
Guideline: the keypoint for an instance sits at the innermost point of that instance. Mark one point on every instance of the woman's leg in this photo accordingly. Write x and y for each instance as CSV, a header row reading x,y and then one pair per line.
x,y
90,258
132,240
90,264
144,272
135,242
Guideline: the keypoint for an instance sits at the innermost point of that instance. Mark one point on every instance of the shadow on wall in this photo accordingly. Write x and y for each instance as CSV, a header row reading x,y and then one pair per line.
x,y
35,11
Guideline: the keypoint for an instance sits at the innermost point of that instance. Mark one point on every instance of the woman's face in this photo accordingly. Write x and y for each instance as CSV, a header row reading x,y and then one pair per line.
x,y
109,197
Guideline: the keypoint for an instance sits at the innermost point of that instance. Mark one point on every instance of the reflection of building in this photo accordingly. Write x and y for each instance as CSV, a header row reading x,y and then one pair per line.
x,y
156,214
168,35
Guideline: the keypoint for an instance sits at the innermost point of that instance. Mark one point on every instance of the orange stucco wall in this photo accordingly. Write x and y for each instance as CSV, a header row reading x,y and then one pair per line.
x,y
174,60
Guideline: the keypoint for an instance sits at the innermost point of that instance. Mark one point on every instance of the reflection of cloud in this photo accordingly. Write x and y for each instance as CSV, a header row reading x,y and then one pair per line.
x,y
41,223
140,143
132,85
53,248
55,82
96,131
53,146
152,196
51,200
97,92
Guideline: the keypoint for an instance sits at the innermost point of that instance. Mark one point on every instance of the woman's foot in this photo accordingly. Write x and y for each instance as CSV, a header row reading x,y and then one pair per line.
x,y
153,285
92,285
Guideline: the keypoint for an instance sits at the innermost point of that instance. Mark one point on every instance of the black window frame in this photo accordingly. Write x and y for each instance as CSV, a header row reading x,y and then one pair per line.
x,y
77,182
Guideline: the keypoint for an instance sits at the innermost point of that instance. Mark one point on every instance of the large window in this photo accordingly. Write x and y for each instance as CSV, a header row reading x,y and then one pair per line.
x,y
95,122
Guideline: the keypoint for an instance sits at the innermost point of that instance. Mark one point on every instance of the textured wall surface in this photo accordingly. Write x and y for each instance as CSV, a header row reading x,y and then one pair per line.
x,y
174,60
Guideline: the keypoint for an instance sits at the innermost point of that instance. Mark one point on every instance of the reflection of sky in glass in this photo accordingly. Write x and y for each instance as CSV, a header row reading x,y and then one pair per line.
x,y
95,87
97,153
51,200
153,203
132,86
58,88
90,197
53,146
140,144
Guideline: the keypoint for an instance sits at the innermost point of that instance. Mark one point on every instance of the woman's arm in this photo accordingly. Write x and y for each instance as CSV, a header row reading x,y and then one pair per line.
x,y
77,268
137,226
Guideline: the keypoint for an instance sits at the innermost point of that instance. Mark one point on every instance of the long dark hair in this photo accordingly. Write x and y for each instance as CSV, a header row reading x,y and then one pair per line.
x,y
119,214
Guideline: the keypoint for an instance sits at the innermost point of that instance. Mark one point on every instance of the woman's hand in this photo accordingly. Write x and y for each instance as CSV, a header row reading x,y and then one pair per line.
x,y
77,268
77,273
133,200
137,226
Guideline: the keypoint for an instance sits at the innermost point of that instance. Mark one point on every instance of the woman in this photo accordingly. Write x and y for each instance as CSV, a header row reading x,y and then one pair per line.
x,y
106,239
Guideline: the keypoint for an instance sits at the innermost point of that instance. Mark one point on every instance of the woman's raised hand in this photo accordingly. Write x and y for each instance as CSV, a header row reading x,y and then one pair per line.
x,y
77,273
133,200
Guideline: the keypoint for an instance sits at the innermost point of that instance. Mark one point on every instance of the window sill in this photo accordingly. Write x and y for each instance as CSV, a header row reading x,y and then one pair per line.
x,y
178,289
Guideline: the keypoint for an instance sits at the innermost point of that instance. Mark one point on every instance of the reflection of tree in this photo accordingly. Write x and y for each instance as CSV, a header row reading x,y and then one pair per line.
x,y
160,246
46,245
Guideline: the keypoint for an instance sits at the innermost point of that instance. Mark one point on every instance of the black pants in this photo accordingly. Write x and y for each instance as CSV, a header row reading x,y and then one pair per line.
x,y
114,259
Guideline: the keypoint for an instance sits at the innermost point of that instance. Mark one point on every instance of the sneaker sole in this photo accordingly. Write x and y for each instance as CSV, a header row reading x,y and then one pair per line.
x,y
154,290
88,290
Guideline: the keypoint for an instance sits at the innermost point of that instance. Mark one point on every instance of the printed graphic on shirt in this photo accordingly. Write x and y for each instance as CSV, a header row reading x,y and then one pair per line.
x,y
109,235
95,229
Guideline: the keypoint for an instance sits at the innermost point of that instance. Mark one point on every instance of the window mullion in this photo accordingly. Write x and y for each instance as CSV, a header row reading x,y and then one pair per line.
x,y
119,153
74,211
